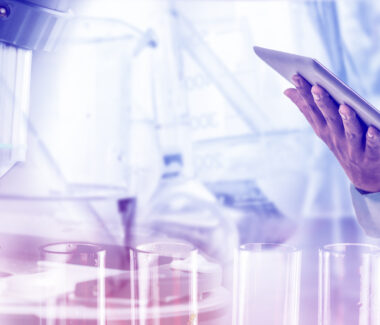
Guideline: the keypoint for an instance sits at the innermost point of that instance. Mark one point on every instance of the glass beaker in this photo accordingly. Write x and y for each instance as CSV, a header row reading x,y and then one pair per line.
x,y
80,110
75,274
349,284
78,135
267,285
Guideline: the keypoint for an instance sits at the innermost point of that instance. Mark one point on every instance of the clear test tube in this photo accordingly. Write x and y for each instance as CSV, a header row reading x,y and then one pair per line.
x,y
173,283
163,274
266,285
349,284
76,272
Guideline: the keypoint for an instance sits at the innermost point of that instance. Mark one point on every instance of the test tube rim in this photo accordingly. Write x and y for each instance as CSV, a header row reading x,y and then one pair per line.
x,y
335,248
43,249
191,252
263,247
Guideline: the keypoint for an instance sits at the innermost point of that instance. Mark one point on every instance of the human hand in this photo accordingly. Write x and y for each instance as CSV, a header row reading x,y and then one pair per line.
x,y
356,146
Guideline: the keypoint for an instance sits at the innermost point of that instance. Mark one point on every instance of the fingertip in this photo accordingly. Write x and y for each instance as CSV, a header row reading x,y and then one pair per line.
x,y
345,109
346,112
318,92
290,92
373,133
316,89
297,80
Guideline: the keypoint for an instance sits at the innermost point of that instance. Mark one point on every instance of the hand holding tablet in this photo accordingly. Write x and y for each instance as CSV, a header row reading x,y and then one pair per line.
x,y
339,116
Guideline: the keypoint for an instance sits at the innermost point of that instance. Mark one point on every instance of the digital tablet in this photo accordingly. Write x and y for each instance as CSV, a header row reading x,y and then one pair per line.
x,y
287,65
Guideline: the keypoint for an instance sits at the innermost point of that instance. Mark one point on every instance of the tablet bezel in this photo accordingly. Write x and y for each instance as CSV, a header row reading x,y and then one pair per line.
x,y
287,65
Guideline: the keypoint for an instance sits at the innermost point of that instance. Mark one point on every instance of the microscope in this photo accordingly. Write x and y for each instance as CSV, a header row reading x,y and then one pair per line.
x,y
25,26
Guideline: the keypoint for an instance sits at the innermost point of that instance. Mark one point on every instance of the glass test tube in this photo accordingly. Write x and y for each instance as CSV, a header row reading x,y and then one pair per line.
x,y
266,285
164,288
349,284
77,274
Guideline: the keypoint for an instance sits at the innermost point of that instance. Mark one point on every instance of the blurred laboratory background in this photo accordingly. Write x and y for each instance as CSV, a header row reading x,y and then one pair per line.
x,y
138,132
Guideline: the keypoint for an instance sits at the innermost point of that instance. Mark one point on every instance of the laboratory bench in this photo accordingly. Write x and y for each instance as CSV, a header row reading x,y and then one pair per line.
x,y
20,255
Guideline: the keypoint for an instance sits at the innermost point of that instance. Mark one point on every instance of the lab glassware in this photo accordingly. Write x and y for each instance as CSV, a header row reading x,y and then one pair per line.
x,y
349,285
80,110
86,109
78,129
266,285
183,209
71,270
173,283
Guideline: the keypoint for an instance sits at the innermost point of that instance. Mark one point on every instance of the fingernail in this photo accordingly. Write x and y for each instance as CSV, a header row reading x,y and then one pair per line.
x,y
316,96
297,81
344,117
370,134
